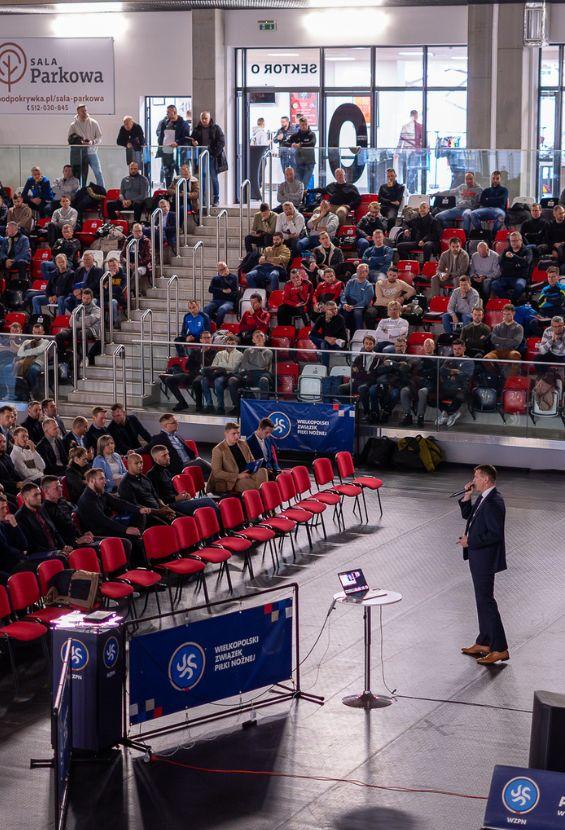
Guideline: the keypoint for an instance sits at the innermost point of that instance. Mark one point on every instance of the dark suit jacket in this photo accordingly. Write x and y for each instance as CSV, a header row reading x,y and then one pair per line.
x,y
34,429
177,465
257,453
485,533
36,540
127,436
47,453
95,513
12,546
8,475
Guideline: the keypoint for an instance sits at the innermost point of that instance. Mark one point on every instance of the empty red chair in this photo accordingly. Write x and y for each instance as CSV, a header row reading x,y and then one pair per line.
x,y
409,265
287,377
121,224
115,566
291,496
272,499
209,527
22,631
429,269
234,328
86,559
46,571
531,348
324,474
60,323
306,351
25,597
416,341
40,255
88,231
451,233
303,484
233,520
256,515
275,299
437,307
284,331
190,540
515,395
282,344
39,285
184,483
346,470
502,235
15,317
191,445
163,553
197,478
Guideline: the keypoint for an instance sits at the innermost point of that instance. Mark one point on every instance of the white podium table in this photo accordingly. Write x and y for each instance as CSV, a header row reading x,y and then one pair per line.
x,y
368,700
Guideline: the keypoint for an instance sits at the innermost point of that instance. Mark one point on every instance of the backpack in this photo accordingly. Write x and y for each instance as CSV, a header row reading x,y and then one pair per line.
x,y
79,589
378,452
418,453
546,395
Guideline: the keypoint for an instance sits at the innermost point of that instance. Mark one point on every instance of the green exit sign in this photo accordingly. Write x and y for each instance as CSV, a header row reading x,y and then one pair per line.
x,y
267,25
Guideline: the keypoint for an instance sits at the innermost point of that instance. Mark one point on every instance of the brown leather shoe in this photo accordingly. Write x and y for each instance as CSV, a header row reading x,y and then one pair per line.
x,y
494,657
476,650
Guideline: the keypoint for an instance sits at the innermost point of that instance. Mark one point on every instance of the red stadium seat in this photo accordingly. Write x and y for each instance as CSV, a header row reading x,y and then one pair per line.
x,y
190,544
122,224
515,395
22,631
88,231
15,317
416,341
346,470
25,596
324,474
163,554
275,299
197,478
184,483
86,559
531,350
233,520
115,566
437,307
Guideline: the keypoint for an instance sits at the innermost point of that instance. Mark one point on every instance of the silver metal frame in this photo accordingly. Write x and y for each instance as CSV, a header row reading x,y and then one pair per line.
x,y
106,276
198,246
52,347
172,280
204,182
268,155
147,314
182,184
156,222
133,243
121,351
79,310
245,184
223,214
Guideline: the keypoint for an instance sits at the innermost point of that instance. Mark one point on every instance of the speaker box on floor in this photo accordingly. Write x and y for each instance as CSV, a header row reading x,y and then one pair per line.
x,y
547,740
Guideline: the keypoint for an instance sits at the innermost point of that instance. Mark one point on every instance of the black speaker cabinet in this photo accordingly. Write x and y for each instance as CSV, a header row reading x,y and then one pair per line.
x,y
547,741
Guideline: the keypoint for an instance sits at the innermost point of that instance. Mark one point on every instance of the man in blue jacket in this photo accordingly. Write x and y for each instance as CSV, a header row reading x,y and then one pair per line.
x,y
378,256
37,192
193,324
15,252
262,446
492,204
357,296
224,291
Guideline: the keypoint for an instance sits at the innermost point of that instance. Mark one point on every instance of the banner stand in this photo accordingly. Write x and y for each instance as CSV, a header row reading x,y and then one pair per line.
x,y
280,692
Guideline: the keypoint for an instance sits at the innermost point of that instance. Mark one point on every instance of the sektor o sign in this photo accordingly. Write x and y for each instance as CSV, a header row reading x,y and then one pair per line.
x,y
299,68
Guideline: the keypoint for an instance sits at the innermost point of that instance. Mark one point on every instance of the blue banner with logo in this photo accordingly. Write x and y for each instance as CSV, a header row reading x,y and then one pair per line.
x,y
307,427
197,663
521,797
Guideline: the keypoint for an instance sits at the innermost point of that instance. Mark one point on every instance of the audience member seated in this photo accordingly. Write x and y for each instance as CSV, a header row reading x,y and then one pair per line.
x,y
97,428
534,231
391,288
161,477
60,511
65,185
15,254
52,449
169,224
290,190
181,455
390,197
467,196
8,421
92,322
193,191
127,431
485,268
452,264
296,299
263,446
422,233
492,205
328,288
13,543
225,363
378,256
49,410
356,298
232,461
191,376
134,190
3,216
66,244
506,337
391,328
75,437
29,465
8,352
43,539
77,468
255,369
59,286
110,462
10,479
455,379
37,192
225,293
476,334
325,255
328,331
88,275
64,215
29,361
138,489
462,301
193,324
290,224
119,287
551,300
254,318
363,373
515,264
554,234
423,381
367,225
344,196
144,261
551,347
105,514
21,214
391,375
33,423
321,220
262,229
272,265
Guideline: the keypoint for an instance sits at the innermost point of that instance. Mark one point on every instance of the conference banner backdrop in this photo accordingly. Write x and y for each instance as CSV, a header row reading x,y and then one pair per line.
x,y
306,427
209,660
532,798
52,75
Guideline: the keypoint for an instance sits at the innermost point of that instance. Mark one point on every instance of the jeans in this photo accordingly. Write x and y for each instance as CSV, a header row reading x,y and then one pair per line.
x,y
406,400
510,287
353,319
253,378
448,324
362,244
37,301
219,387
385,346
304,172
325,349
188,506
169,167
447,216
214,179
33,375
217,310
94,164
264,276
481,214
307,243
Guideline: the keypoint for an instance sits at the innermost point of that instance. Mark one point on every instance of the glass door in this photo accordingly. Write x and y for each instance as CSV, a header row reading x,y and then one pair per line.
x,y
548,142
348,123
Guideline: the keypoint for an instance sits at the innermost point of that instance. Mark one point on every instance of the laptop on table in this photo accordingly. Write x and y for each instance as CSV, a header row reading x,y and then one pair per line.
x,y
355,586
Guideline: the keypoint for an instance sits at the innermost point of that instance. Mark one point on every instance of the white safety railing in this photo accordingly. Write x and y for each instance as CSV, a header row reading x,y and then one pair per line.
x,y
245,185
267,190
79,312
223,214
119,351
147,315
175,310
51,349
133,244
184,185
198,247
204,182
106,278
156,227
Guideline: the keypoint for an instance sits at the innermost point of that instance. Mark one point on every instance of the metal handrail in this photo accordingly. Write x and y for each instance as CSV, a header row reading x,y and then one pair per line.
x,y
184,185
146,314
204,182
133,243
267,155
79,310
106,276
198,246
223,214
245,184
52,347
156,217
172,280
119,350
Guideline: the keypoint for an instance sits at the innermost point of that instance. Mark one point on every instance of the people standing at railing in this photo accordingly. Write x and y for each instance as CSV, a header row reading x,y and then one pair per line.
x,y
65,185
84,136
193,324
209,134
390,197
260,136
290,190
467,196
262,229
286,155
21,214
64,215
193,191
15,254
225,293
303,141
131,137
492,204
321,220
37,193
172,132
344,195
144,261
410,143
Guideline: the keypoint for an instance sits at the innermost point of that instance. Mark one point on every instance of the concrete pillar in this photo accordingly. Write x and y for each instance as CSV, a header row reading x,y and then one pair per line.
x,y
482,32
511,102
208,64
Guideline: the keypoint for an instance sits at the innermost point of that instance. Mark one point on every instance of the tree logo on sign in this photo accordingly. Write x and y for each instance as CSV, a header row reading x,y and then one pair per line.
x,y
13,64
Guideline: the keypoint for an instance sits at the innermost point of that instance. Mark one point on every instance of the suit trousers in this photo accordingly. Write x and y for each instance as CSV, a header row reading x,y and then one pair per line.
x,y
491,630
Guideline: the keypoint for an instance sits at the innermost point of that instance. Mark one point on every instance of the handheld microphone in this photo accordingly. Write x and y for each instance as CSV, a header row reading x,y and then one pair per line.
x,y
459,493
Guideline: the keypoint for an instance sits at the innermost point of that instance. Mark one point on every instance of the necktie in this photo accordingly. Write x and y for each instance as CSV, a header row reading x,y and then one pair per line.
x,y
476,507
46,531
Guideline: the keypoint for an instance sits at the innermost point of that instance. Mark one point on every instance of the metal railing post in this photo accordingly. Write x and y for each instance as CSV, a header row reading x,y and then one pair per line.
x,y
198,246
148,314
106,276
268,155
174,279
182,184
223,214
133,243
121,351
52,347
156,218
245,184
204,181
79,310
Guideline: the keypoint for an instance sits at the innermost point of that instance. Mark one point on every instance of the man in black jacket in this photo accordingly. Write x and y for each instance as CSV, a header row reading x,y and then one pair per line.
x,y
33,421
9,478
52,450
423,233
515,263
43,538
171,123
161,477
343,195
95,508
96,429
303,142
13,543
49,410
208,134
483,546
180,455
127,431
138,489
60,511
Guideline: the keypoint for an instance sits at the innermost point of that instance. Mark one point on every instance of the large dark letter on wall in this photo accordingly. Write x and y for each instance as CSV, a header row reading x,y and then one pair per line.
x,y
343,114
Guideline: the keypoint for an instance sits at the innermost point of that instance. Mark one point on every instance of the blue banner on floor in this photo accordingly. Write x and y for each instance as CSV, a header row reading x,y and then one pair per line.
x,y
523,797
197,663
307,427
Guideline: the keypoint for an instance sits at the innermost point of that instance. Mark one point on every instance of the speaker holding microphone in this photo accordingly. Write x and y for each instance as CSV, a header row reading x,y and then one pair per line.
x,y
547,739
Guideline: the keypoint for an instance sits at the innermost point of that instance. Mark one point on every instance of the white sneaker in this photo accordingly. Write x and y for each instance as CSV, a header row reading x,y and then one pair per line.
x,y
453,418
441,419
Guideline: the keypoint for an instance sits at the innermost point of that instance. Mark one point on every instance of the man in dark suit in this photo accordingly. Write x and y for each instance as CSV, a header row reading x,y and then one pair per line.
x,y
52,450
262,445
43,538
127,431
96,509
483,545
33,422
180,455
